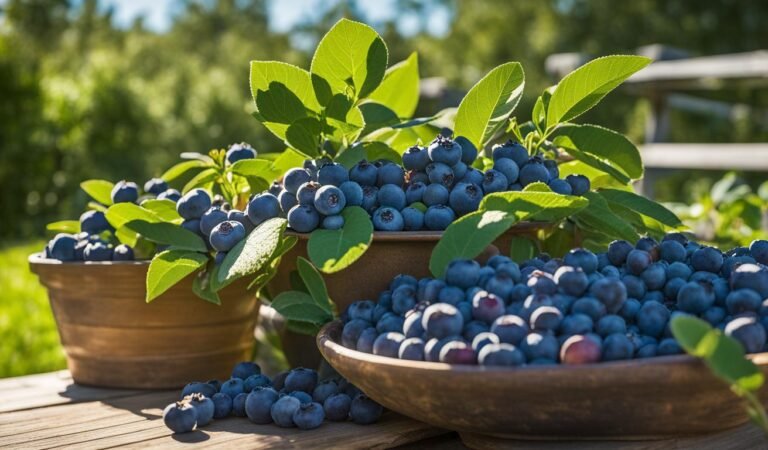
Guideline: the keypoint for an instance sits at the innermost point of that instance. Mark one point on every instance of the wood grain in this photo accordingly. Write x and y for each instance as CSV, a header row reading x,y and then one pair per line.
x,y
629,400
113,338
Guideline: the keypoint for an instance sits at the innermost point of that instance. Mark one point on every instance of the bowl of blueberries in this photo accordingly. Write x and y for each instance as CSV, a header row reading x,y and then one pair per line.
x,y
572,347
410,205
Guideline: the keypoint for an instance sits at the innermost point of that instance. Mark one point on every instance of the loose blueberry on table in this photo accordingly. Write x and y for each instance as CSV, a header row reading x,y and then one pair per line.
x,y
583,308
295,398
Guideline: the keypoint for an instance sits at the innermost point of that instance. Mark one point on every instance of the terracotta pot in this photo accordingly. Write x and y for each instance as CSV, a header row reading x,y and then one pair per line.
x,y
112,337
639,399
390,254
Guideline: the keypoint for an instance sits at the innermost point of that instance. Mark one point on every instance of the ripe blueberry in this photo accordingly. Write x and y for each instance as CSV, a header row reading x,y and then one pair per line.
x,y
337,406
125,192
364,410
364,173
416,158
193,204
226,235
438,217
180,417
283,409
388,219
353,193
294,178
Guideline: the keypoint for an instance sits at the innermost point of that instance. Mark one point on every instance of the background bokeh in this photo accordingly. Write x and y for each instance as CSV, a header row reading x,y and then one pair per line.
x,y
91,89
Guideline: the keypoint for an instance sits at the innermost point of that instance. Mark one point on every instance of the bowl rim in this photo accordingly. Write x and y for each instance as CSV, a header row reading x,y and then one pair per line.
x,y
40,259
326,343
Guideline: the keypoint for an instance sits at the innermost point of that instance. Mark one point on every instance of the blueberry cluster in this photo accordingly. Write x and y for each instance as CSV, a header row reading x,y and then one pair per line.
x,y
434,186
583,308
211,218
291,399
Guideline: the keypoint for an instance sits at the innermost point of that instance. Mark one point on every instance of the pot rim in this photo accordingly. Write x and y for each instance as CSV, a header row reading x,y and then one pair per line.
x,y
40,259
329,347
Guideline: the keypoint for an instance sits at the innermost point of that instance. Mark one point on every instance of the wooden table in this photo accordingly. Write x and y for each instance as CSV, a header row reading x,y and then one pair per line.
x,y
49,410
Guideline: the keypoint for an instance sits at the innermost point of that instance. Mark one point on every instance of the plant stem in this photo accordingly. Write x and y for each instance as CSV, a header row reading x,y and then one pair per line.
x,y
759,417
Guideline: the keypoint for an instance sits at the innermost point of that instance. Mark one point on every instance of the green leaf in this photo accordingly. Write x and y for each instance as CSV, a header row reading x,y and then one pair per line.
x,y
99,190
693,335
260,168
351,58
164,209
598,216
252,253
377,116
314,283
201,180
522,248
534,205
399,91
602,148
307,328
728,361
583,88
182,168
370,151
64,226
641,205
203,288
168,233
299,306
296,79
304,136
486,108
122,213
279,105
334,250
169,267
539,115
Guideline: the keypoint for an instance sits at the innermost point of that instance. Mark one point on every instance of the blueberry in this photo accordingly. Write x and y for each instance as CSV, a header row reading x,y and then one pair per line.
x,y
579,184
714,315
204,408
391,195
263,207
413,219
672,251
239,152
511,150
155,186
169,194
618,252
582,258
679,270
589,306
364,410
197,387
303,219
351,332
668,346
364,173
510,269
617,346
748,331
576,323
444,150
707,259
337,406
758,249
93,222
366,339
329,200
302,396
309,416
370,198
463,273
390,174
465,198
226,235
415,192
245,369
482,338
457,352
473,176
193,204
387,218
560,186
294,178
580,349
222,405
750,276
278,381
695,297
97,251
254,381
122,253
362,309
655,276
438,217
301,379
436,194
306,193
487,307
212,217
468,150
652,318
440,173
283,409
533,171
324,390
571,280
537,346
743,300
242,218
388,344
611,324
508,168
494,181
411,349
511,329
416,158
389,322
442,320
125,192
333,222
459,170
232,387
638,261
672,288
180,417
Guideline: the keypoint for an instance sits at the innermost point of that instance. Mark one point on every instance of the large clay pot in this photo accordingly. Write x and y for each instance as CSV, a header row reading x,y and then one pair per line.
x,y
390,254
113,338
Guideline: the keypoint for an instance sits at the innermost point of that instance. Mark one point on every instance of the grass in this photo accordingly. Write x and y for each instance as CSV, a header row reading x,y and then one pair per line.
x,y
28,336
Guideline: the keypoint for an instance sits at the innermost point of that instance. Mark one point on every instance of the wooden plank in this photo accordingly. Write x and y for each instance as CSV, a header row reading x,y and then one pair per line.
x,y
54,388
746,437
750,157
734,66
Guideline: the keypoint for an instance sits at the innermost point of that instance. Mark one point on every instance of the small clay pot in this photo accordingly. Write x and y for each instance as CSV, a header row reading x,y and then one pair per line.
x,y
653,398
113,338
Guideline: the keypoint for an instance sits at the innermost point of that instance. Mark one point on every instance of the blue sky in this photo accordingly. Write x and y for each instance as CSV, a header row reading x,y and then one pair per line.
x,y
284,14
